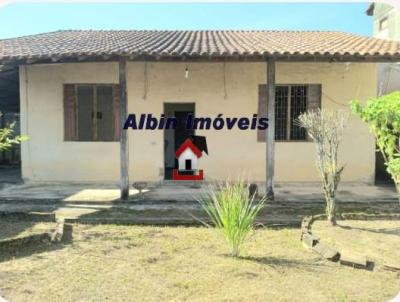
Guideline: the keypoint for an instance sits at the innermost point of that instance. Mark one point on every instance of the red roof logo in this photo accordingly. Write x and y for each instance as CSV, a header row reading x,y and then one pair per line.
x,y
188,144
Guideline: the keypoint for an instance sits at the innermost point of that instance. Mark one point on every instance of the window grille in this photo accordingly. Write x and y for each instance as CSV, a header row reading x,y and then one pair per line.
x,y
290,102
298,105
281,112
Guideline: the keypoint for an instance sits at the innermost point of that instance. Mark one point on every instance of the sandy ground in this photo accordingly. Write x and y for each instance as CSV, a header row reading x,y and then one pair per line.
x,y
137,263
378,240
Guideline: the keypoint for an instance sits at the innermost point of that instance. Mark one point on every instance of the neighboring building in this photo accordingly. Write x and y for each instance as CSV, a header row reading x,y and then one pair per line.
x,y
73,94
386,25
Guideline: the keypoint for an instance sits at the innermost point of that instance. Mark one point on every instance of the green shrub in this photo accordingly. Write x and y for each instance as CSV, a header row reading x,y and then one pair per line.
x,y
8,138
382,114
233,211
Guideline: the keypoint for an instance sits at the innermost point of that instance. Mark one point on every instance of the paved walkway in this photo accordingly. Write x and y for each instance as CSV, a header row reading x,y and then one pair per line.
x,y
294,192
176,204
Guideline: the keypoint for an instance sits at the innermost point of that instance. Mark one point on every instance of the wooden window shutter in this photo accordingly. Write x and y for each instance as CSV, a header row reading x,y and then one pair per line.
x,y
262,110
314,100
85,95
105,113
117,113
70,129
314,97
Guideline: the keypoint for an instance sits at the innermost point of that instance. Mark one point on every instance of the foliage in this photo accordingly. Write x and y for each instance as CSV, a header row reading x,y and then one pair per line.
x,y
326,130
382,114
233,211
8,139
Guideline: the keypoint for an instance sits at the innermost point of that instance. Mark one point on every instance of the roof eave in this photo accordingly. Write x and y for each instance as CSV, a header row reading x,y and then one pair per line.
x,y
387,58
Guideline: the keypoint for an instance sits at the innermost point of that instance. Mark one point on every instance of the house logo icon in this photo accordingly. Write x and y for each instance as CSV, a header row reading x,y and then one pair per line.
x,y
188,155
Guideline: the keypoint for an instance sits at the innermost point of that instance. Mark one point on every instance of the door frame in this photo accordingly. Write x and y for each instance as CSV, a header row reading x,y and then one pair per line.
x,y
175,106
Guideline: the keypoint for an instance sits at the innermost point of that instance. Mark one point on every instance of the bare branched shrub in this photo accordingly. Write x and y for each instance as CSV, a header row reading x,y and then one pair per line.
x,y
326,130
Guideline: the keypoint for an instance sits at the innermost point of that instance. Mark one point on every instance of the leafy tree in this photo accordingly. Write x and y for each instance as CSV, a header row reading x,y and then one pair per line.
x,y
8,139
382,114
326,130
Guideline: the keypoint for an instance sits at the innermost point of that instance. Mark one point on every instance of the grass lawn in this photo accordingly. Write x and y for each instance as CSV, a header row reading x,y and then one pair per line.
x,y
379,240
136,263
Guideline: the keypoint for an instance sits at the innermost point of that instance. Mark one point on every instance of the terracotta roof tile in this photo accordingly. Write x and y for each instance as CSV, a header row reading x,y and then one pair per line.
x,y
72,43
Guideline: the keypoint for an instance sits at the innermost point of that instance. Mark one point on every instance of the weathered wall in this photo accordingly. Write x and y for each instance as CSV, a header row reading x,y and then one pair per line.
x,y
46,157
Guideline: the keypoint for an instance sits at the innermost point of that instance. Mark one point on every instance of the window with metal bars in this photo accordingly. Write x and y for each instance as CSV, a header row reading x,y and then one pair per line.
x,y
290,102
281,112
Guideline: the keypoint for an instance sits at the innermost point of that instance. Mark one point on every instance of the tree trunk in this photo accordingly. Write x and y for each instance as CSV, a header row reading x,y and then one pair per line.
x,y
330,210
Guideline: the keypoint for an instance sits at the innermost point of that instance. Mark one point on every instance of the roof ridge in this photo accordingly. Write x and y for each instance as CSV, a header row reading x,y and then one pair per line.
x,y
180,30
195,30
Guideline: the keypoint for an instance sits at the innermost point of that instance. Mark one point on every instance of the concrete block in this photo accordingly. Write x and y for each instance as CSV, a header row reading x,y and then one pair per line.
x,y
393,267
58,233
310,240
306,223
356,261
326,252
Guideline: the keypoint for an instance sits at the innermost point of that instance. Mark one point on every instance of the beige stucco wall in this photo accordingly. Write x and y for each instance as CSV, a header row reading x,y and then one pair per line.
x,y
46,157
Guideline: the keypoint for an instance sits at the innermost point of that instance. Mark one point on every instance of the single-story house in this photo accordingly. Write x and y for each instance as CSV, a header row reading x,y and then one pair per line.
x,y
77,88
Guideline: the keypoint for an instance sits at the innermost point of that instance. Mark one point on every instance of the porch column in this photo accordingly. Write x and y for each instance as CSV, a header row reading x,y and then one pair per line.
x,y
123,140
270,155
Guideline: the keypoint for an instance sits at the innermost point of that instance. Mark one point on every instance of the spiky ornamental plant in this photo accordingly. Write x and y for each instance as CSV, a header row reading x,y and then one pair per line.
x,y
382,114
232,210
326,130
